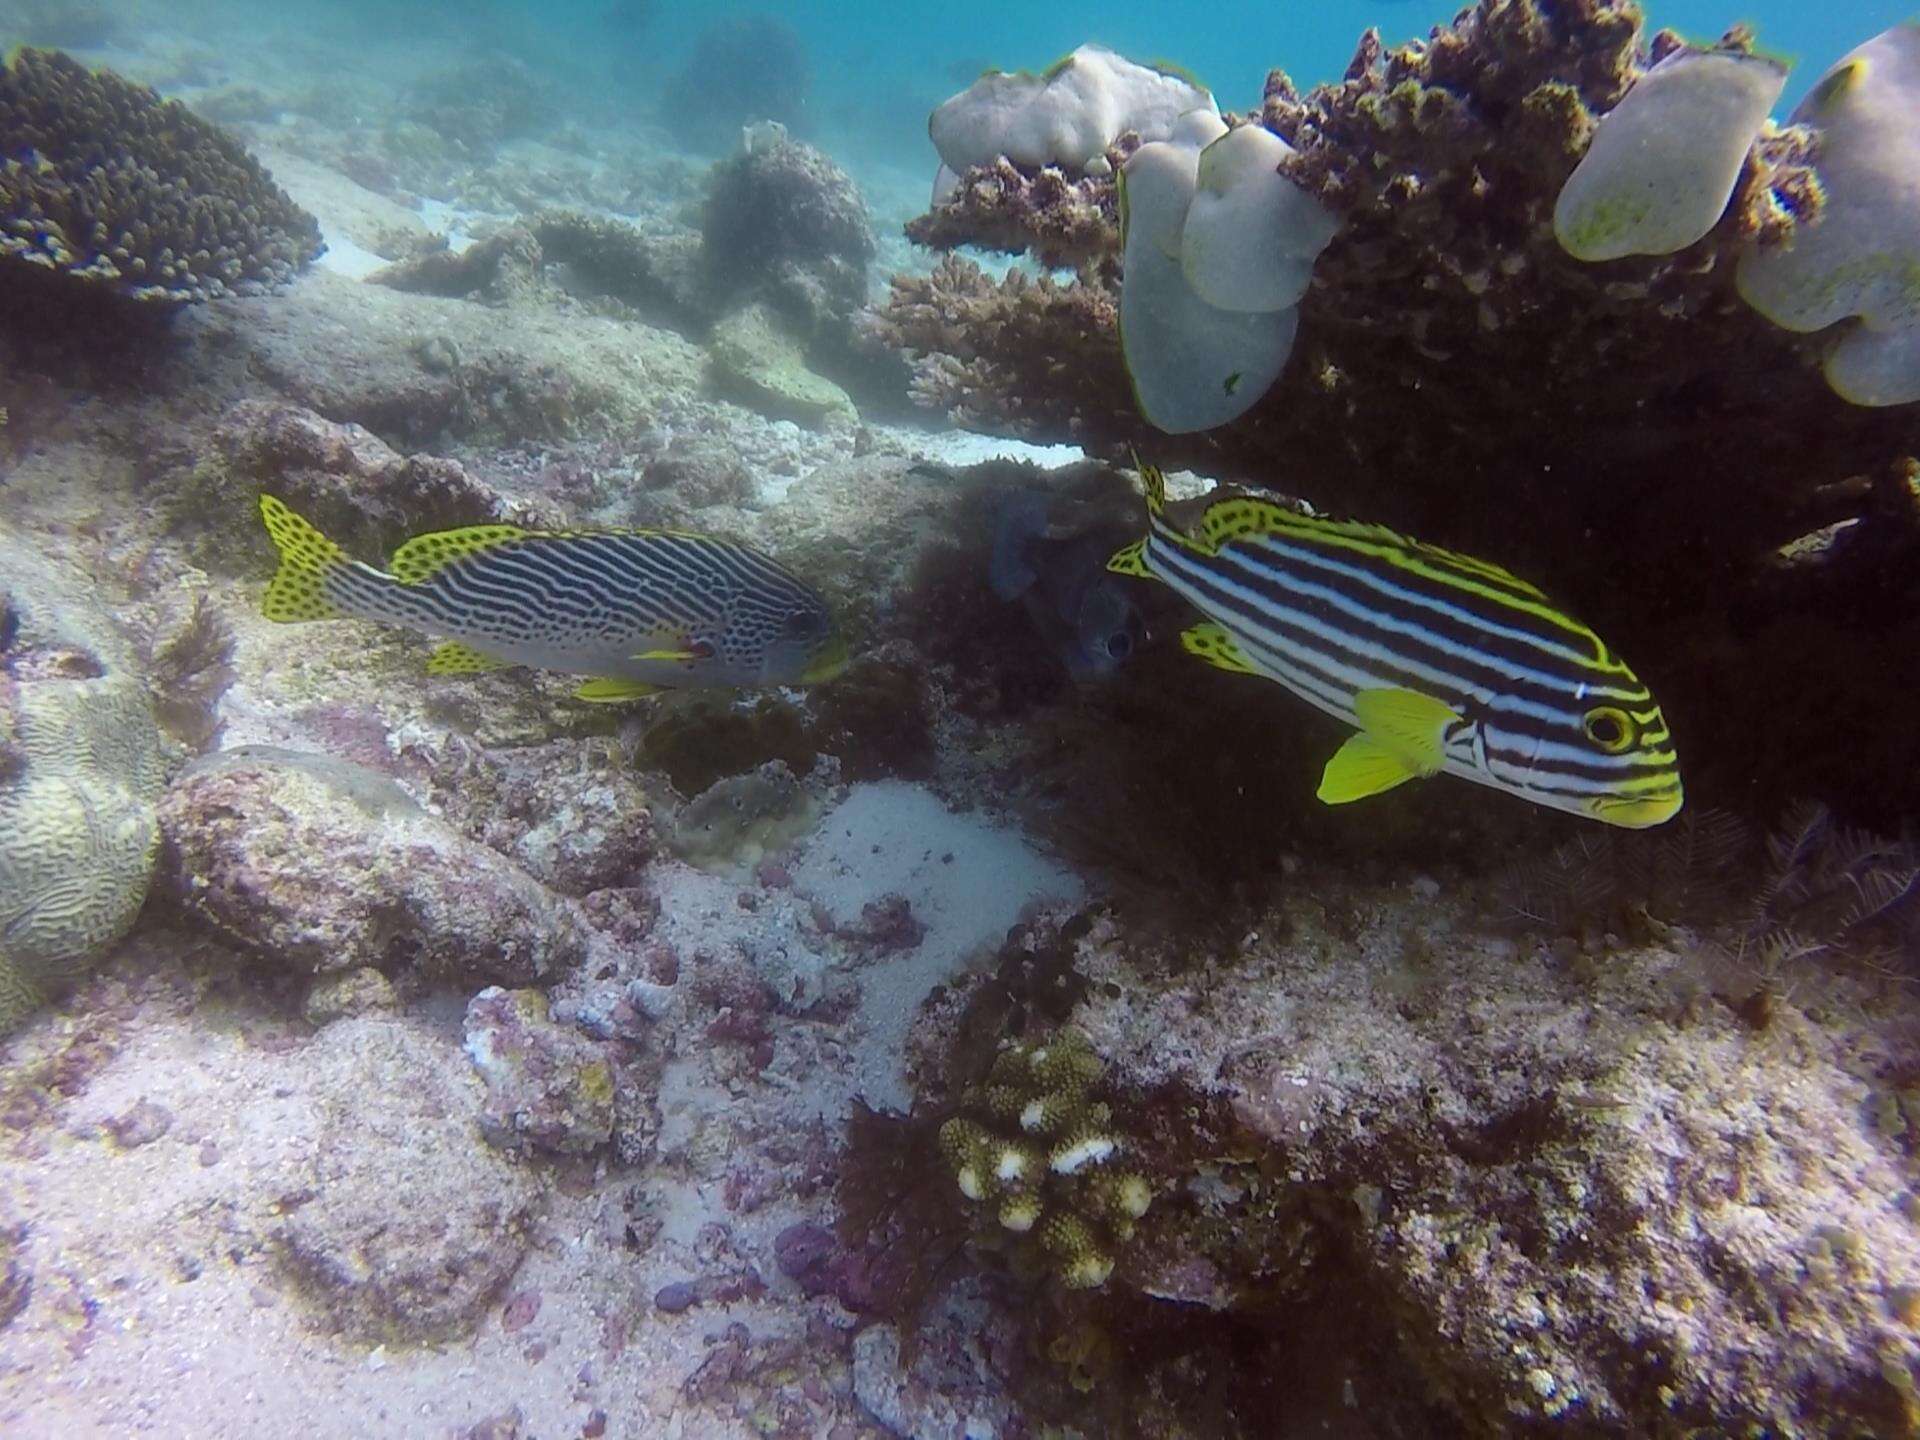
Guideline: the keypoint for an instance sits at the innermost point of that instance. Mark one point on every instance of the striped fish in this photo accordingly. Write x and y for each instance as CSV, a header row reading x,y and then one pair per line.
x,y
640,610
1439,660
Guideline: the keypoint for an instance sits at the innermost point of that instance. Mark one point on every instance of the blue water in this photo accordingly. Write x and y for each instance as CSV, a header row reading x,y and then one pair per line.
x,y
877,68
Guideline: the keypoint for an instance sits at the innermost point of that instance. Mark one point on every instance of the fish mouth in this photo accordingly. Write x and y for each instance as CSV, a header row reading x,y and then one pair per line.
x,y
827,664
1639,812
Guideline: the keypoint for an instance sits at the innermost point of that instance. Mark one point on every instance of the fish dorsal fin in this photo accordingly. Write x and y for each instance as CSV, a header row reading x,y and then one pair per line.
x,y
1215,646
1154,483
1359,768
1243,515
427,555
453,658
1132,560
1410,725
1234,519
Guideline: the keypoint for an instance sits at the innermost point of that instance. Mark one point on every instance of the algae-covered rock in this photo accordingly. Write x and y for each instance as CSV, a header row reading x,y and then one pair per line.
x,y
548,1086
1863,258
318,865
81,771
398,1222
1664,161
106,186
757,359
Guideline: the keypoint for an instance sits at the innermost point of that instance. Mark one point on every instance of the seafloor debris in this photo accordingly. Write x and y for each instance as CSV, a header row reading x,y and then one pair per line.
x,y
106,185
81,770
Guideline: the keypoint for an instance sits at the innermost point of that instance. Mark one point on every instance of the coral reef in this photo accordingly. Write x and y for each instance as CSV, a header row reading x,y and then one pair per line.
x,y
1444,320
479,104
317,865
81,771
1035,1150
173,210
1068,116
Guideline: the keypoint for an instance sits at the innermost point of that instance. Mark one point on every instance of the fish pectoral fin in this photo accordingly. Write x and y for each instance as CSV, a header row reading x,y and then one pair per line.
x,y
1413,726
1359,768
609,690
1215,646
452,658
1132,560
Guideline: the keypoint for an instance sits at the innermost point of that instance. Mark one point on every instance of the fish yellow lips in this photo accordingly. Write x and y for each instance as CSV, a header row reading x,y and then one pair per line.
x,y
1639,812
830,663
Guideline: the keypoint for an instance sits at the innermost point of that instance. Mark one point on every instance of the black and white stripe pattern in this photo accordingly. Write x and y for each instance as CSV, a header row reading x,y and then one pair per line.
x,y
1330,610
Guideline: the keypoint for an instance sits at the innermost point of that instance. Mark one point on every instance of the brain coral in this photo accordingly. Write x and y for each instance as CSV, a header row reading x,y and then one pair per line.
x,y
107,184
80,776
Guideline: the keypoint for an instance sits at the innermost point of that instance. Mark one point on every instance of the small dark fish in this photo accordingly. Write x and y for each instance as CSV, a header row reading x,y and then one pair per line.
x,y
1061,576
9,626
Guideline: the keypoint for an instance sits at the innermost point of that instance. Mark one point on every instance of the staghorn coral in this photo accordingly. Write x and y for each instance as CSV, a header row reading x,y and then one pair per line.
x,y
169,210
1034,1150
81,771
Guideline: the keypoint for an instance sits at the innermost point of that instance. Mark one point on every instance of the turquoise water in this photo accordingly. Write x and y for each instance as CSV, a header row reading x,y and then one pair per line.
x,y
875,70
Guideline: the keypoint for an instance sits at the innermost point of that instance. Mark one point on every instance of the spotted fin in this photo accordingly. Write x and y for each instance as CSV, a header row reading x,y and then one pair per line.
x,y
1155,484
426,555
1411,725
1215,646
1240,516
1359,768
610,691
297,590
1132,560
453,658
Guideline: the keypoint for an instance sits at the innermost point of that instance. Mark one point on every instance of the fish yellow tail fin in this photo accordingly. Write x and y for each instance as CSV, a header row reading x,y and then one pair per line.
x,y
1155,484
297,590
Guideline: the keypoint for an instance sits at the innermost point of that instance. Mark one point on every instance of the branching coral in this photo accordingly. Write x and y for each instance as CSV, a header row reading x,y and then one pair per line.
x,y
106,185
978,347
1038,1153
1000,206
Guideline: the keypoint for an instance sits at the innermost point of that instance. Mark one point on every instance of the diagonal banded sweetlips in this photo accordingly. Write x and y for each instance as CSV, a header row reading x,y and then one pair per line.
x,y
639,610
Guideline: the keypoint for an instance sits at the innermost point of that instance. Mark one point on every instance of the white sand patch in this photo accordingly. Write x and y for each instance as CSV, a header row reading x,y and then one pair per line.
x,y
967,879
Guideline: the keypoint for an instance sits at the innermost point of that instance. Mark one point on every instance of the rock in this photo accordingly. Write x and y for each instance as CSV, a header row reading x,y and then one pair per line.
x,y
1573,1195
399,1222
81,770
319,866
739,819
145,1123
756,359
345,479
785,225
343,995
548,1086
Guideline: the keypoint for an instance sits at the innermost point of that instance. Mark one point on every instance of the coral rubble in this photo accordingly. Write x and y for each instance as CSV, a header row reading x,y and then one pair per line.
x,y
107,186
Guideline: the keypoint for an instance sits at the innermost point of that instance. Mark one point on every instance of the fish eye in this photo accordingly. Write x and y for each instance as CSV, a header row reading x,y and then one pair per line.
x,y
1119,645
802,624
1609,728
